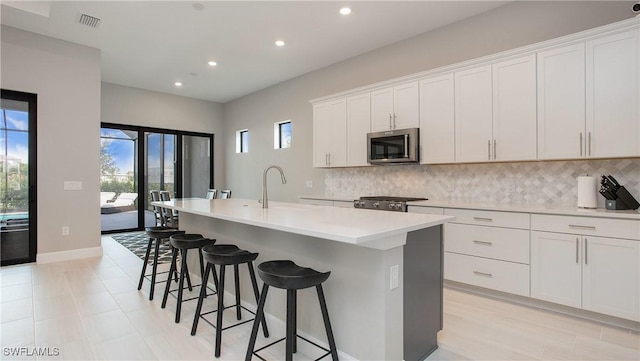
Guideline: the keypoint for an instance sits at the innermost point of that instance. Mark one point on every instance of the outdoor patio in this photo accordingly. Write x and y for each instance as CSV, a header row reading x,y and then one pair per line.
x,y
125,220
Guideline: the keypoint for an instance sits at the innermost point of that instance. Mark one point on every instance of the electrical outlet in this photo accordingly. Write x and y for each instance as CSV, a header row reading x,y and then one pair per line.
x,y
393,277
309,184
65,230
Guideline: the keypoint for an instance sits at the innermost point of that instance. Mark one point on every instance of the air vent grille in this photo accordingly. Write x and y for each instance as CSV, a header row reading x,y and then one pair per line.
x,y
89,21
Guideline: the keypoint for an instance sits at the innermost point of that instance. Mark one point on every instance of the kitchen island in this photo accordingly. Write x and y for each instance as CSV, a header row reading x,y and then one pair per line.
x,y
385,291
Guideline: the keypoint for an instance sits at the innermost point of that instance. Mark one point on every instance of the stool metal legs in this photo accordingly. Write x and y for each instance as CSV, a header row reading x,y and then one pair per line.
x,y
154,266
184,273
327,324
259,314
220,292
291,328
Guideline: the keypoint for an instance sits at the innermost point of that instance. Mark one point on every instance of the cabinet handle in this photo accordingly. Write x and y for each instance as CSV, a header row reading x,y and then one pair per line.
x,y
483,219
482,274
577,248
489,149
326,158
581,144
394,120
485,243
589,141
390,126
593,228
495,151
329,159
586,260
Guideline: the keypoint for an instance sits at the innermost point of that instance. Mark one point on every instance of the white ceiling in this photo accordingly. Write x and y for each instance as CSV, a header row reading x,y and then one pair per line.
x,y
152,44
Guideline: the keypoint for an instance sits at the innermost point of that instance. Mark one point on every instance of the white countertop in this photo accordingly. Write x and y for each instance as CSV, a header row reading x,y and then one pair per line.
x,y
524,208
533,208
369,228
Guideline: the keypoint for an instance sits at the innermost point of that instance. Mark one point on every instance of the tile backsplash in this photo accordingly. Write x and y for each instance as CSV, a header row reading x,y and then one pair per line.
x,y
541,183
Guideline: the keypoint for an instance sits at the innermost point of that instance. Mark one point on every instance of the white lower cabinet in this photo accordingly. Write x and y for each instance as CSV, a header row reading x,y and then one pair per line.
x,y
488,249
595,273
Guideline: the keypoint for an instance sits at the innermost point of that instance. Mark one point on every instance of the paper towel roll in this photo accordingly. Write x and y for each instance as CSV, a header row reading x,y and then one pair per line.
x,y
587,191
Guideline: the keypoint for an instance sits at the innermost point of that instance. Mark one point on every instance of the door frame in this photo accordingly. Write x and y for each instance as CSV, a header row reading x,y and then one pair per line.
x,y
143,194
32,101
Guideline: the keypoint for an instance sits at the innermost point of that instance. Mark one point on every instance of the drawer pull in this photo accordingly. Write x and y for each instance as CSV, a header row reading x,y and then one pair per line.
x,y
482,274
485,243
483,219
577,248
593,228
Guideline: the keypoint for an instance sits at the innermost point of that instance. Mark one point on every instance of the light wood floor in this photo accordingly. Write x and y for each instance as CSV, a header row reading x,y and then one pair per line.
x,y
91,310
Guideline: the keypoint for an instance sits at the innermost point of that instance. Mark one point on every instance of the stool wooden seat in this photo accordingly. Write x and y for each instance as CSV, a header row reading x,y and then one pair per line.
x,y
226,255
287,275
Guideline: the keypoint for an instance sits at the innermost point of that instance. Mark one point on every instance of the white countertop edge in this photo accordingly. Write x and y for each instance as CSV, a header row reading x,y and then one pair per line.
x,y
536,209
372,240
522,208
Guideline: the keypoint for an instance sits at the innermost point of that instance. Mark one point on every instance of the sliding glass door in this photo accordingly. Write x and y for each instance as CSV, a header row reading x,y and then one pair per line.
x,y
197,173
119,190
160,163
18,177
136,160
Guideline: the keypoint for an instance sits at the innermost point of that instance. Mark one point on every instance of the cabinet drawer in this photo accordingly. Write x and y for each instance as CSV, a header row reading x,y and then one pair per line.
x,y
591,226
505,244
496,275
426,210
489,218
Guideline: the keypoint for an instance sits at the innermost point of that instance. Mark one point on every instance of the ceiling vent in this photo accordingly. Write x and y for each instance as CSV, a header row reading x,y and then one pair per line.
x,y
89,21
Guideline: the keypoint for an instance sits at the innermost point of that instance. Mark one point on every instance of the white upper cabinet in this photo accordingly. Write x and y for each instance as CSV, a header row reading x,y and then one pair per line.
x,y
330,134
612,113
561,103
514,109
588,99
395,107
473,115
437,131
358,125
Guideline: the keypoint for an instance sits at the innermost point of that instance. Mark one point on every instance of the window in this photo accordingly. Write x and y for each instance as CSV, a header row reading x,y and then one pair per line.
x,y
282,134
242,141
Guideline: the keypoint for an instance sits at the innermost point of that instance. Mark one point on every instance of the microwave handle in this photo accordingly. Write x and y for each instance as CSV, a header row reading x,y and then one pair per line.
x,y
406,145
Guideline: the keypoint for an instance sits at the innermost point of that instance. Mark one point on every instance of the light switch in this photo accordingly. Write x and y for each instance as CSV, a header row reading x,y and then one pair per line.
x,y
309,184
393,277
72,185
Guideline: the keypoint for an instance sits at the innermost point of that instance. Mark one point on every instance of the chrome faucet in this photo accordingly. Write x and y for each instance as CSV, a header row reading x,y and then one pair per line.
x,y
265,198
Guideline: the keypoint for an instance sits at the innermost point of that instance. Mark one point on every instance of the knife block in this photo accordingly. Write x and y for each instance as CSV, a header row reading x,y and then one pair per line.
x,y
624,201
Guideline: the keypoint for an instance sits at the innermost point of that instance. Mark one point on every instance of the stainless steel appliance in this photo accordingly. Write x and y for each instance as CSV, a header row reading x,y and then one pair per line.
x,y
393,146
385,203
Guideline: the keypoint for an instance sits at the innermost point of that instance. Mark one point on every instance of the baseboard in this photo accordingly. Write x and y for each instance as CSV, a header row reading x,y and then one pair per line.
x,y
69,255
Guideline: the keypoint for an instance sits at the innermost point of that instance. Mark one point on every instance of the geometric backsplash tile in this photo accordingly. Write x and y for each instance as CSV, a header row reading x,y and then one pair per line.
x,y
535,183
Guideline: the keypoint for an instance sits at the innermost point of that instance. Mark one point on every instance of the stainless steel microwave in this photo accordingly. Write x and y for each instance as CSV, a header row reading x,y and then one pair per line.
x,y
393,146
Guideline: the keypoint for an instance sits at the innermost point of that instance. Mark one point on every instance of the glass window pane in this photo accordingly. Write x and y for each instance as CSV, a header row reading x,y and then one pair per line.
x,y
285,135
15,172
169,162
244,148
17,120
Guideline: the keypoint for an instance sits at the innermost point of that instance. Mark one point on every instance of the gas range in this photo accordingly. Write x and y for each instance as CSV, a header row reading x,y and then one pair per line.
x,y
385,203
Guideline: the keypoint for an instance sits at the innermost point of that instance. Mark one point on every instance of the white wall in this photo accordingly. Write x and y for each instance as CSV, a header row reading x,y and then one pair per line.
x,y
66,78
511,26
133,106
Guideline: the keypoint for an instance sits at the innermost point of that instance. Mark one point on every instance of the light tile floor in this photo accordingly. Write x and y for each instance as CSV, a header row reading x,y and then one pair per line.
x,y
91,310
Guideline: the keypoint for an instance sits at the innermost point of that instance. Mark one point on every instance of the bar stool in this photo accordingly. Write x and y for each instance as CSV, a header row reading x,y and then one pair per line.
x,y
291,277
184,242
157,235
226,255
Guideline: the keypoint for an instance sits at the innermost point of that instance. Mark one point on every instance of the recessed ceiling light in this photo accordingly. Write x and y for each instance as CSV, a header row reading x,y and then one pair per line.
x,y
177,83
212,63
198,6
345,11
279,43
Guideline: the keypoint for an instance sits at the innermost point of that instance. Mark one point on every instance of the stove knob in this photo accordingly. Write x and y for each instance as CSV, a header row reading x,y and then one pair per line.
x,y
376,204
392,206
